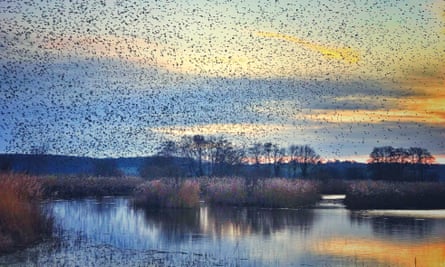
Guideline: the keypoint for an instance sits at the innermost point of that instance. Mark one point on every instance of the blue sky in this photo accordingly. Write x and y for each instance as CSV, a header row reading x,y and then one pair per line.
x,y
115,78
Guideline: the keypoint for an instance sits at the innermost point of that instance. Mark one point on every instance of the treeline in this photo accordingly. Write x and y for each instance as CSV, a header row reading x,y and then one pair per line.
x,y
198,155
216,156
402,164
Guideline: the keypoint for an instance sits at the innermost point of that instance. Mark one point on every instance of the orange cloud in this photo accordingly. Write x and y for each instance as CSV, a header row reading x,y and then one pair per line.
x,y
236,129
429,96
377,116
391,253
425,104
345,54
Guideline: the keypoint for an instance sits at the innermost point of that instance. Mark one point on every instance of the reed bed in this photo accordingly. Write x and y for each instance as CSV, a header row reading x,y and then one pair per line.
x,y
77,187
272,193
22,220
167,193
395,195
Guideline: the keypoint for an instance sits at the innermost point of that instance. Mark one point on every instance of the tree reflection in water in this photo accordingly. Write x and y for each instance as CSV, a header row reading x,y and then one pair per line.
x,y
411,229
226,222
110,232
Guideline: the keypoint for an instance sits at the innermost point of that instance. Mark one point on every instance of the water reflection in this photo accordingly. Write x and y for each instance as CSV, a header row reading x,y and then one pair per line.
x,y
173,225
408,229
109,231
113,221
106,220
226,222
386,253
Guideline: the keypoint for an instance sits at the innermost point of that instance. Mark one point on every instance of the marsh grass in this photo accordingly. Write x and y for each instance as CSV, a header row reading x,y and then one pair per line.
x,y
167,193
22,220
285,193
395,195
271,193
226,191
77,187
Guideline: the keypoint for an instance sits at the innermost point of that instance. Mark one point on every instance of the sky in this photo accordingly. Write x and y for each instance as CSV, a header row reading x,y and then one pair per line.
x,y
116,78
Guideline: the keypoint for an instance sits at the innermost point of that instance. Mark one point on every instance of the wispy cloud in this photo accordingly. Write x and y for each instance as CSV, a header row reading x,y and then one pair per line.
x,y
345,54
230,129
377,116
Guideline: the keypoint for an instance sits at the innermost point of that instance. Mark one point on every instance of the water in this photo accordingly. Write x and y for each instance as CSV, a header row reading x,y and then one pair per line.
x,y
109,232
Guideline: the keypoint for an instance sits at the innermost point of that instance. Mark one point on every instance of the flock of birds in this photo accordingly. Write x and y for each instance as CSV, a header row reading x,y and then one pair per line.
x,y
116,78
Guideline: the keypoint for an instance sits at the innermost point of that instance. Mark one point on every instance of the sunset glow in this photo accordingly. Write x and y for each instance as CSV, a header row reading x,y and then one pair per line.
x,y
116,79
344,54
394,254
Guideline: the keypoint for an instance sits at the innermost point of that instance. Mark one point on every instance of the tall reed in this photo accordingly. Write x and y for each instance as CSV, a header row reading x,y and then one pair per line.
x,y
395,195
75,187
22,220
273,192
166,193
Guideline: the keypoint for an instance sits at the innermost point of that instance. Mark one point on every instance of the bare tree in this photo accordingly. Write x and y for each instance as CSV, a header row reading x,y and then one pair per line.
x,y
168,149
225,156
389,163
267,147
293,157
421,158
255,153
194,148
199,144
278,155
305,158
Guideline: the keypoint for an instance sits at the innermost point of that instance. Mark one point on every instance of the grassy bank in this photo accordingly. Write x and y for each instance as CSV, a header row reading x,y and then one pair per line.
x,y
395,195
166,193
273,192
22,221
76,187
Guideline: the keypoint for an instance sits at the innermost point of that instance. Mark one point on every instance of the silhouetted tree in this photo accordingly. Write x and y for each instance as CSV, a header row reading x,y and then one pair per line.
x,y
199,143
389,163
168,149
305,158
225,158
194,148
267,147
293,157
421,158
382,163
278,155
255,153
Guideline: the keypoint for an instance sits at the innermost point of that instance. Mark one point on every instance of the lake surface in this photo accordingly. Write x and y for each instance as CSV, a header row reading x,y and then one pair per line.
x,y
109,232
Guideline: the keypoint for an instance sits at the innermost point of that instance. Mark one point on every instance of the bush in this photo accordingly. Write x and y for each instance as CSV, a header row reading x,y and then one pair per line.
x,y
395,195
73,187
165,193
22,221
